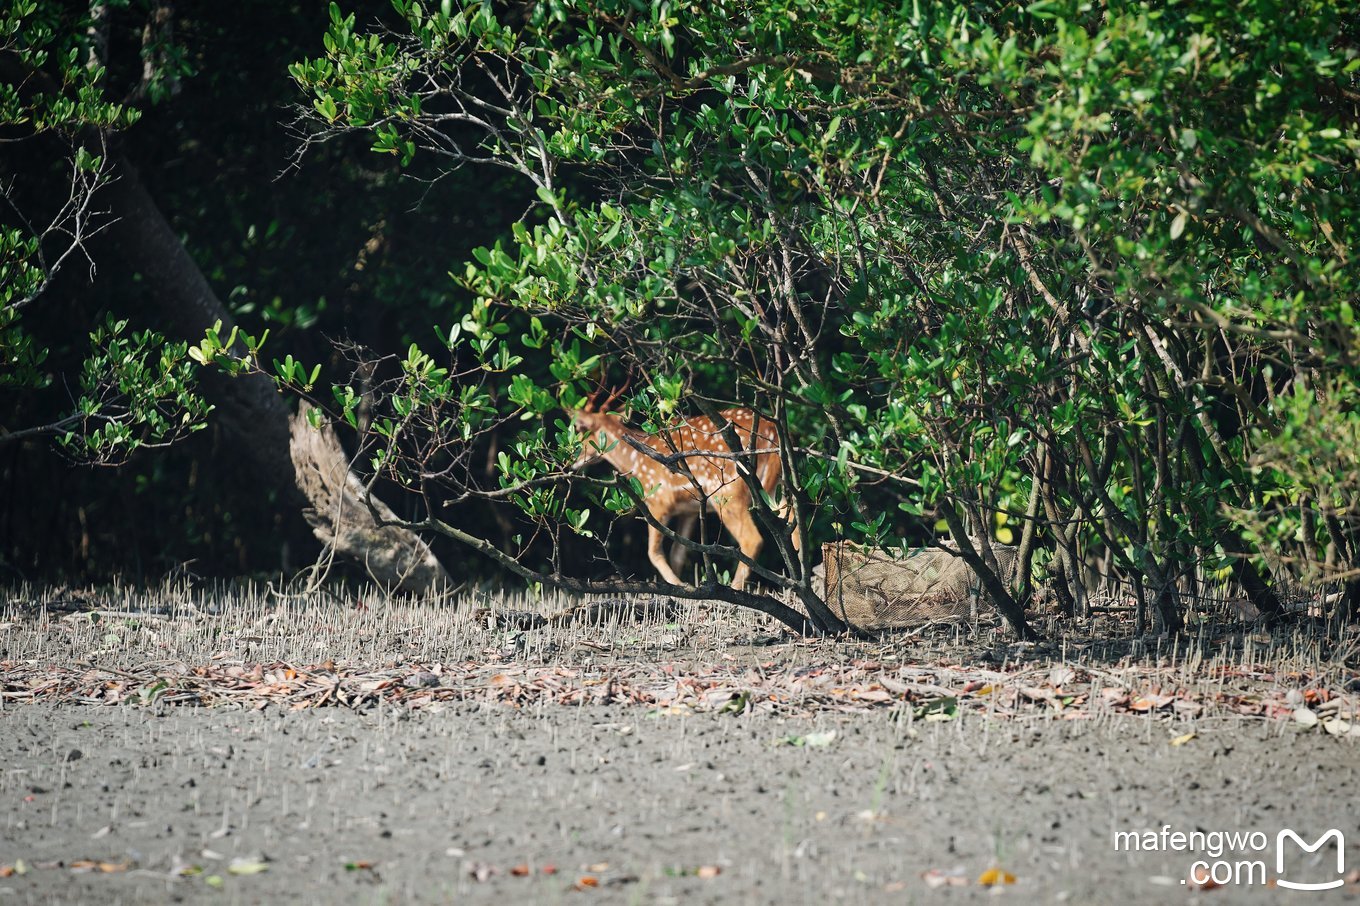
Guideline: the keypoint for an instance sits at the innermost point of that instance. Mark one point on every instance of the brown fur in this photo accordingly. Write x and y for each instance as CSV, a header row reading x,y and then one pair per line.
x,y
673,493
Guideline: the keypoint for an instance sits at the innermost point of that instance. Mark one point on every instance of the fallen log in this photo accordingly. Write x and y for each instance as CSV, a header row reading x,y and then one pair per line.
x,y
342,513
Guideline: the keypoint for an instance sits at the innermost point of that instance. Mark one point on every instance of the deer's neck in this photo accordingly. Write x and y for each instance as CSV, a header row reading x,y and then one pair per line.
x,y
621,455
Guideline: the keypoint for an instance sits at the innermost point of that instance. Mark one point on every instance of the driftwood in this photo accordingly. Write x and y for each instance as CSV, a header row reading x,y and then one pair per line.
x,y
341,518
871,590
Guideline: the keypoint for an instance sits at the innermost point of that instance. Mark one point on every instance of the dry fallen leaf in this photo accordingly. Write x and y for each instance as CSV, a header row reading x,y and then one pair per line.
x,y
1183,739
520,871
598,867
936,878
1305,717
1150,702
1344,728
1186,708
103,867
586,882
994,876
1203,882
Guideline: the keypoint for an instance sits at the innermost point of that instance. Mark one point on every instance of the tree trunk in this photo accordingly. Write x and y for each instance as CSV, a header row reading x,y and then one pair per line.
x,y
250,410
180,304
1024,568
992,584
349,520
1259,592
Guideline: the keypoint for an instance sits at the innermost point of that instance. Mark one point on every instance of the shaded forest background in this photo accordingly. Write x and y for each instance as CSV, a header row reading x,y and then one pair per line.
x,y
346,246
1076,279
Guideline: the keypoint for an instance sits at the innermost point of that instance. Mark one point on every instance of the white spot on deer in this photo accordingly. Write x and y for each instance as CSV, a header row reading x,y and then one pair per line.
x,y
671,492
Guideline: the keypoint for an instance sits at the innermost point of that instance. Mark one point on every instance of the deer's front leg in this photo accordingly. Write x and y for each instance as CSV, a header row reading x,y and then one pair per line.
x,y
654,538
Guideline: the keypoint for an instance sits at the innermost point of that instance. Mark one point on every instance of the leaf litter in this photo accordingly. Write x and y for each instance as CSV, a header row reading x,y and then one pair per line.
x,y
315,653
932,692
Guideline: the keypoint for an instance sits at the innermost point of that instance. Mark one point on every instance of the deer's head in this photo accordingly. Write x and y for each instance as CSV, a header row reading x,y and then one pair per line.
x,y
602,428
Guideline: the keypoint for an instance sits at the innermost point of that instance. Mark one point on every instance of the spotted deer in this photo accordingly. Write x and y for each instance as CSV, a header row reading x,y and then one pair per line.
x,y
670,492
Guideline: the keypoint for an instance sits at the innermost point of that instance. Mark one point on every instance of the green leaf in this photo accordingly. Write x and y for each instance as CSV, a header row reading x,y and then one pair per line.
x,y
1178,224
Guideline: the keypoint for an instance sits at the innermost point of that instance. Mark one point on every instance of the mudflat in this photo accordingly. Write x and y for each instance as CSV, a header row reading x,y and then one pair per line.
x,y
452,790
491,804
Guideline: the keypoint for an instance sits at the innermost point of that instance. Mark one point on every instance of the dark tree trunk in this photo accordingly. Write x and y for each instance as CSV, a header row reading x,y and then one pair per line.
x,y
992,584
1258,591
1349,608
249,409
1067,605
180,303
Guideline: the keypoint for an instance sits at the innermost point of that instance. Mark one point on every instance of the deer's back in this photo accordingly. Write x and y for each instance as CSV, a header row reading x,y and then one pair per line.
x,y
702,433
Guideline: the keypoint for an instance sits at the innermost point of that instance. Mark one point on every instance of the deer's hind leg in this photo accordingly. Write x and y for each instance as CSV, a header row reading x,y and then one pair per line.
x,y
654,539
743,528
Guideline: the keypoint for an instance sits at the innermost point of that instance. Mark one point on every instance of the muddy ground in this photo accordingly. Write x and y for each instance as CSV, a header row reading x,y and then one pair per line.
x,y
416,798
